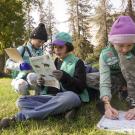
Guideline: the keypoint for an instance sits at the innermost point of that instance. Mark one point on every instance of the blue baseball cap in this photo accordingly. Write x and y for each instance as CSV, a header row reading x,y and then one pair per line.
x,y
62,38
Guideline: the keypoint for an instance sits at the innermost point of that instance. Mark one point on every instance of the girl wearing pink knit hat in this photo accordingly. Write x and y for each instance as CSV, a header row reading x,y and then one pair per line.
x,y
119,60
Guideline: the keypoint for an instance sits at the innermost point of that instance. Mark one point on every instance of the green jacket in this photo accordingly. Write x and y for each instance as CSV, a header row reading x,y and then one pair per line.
x,y
109,65
68,66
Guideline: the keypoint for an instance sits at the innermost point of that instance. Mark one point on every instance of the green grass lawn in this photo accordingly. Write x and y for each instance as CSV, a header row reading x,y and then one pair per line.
x,y
84,123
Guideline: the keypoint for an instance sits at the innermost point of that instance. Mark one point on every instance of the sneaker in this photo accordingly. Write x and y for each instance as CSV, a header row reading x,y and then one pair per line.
x,y
123,95
100,107
70,115
6,122
131,102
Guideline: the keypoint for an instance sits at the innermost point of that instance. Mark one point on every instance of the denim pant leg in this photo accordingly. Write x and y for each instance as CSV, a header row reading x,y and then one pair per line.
x,y
56,104
30,102
66,101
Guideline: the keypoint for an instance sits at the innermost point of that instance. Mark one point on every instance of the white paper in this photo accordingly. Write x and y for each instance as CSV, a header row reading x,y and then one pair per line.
x,y
120,125
14,54
43,66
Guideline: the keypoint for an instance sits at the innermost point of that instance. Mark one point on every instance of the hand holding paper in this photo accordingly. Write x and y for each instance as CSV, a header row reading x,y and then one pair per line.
x,y
110,112
130,114
25,66
44,66
57,74
40,81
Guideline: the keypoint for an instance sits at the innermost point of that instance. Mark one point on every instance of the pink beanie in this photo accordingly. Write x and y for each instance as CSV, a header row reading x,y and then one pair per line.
x,y
122,31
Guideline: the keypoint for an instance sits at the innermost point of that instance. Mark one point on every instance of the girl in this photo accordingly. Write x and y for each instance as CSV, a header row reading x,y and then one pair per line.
x,y
33,48
72,77
119,58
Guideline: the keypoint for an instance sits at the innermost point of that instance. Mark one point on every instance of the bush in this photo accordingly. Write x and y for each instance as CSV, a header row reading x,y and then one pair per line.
x,y
91,59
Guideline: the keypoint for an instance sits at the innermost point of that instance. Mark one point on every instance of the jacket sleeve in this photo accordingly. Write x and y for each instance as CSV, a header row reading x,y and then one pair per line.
x,y
77,83
13,65
105,79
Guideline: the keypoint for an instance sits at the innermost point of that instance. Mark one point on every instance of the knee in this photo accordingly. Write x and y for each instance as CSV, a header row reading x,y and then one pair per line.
x,y
21,87
19,102
32,79
70,98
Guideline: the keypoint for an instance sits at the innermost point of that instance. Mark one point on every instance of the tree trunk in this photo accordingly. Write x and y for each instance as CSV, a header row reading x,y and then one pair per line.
x,y
77,12
130,10
105,22
2,63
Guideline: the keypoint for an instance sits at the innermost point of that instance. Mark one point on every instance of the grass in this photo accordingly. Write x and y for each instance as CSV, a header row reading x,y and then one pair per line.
x,y
84,123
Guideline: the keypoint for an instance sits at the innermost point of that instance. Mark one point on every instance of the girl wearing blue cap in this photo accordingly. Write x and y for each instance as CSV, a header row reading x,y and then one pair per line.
x,y
33,48
72,77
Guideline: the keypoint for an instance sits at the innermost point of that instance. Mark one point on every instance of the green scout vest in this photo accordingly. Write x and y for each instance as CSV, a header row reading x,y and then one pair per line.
x,y
68,66
110,57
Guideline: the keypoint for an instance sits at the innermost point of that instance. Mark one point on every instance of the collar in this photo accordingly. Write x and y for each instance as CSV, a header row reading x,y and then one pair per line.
x,y
31,47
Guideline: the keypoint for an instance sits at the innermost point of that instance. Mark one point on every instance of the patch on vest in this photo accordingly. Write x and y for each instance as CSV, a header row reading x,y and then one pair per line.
x,y
109,57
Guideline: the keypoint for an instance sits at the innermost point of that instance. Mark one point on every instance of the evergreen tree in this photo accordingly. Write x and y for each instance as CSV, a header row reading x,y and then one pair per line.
x,y
79,12
11,26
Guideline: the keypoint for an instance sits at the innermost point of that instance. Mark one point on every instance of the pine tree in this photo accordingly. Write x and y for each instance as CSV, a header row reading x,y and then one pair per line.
x,y
79,11
47,16
11,26
129,9
28,7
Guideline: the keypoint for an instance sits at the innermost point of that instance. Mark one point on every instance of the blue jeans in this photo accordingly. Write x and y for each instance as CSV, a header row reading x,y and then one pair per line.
x,y
39,107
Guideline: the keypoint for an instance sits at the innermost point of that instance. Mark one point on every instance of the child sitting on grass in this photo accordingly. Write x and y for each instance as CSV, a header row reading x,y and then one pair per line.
x,y
21,70
72,77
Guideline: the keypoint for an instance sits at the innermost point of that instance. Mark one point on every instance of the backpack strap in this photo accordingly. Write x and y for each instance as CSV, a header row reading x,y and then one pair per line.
x,y
23,51
26,49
